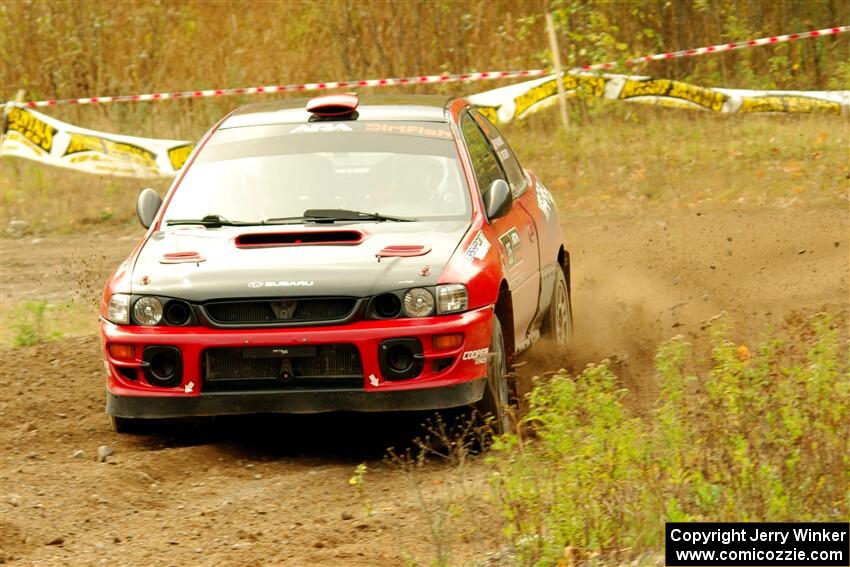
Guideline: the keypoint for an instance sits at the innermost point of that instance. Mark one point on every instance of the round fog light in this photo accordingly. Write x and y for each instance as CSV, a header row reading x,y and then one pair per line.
x,y
418,302
399,358
147,311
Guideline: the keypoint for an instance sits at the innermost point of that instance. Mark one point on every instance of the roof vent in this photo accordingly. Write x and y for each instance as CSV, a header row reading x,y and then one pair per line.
x,y
334,105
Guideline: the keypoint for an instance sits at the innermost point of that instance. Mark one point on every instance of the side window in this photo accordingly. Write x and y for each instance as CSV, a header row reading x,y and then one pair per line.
x,y
516,177
484,162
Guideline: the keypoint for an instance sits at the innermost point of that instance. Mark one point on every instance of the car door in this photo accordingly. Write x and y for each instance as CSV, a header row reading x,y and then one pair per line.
x,y
515,231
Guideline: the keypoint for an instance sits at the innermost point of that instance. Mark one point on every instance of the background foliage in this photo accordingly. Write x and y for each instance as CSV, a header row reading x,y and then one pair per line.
x,y
68,48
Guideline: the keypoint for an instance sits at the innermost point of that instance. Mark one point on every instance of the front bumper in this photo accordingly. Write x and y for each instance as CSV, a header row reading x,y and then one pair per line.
x,y
294,401
435,387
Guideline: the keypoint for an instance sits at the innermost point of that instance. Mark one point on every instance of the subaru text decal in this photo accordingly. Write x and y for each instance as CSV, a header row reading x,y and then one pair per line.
x,y
282,283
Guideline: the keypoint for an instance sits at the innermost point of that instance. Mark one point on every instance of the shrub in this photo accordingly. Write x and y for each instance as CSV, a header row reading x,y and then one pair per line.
x,y
31,326
761,435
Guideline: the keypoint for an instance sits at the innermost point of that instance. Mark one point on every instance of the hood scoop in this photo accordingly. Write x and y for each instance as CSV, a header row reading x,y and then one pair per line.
x,y
403,251
181,258
301,238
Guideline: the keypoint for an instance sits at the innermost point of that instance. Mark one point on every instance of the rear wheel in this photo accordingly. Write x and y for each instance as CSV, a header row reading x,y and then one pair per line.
x,y
558,324
496,401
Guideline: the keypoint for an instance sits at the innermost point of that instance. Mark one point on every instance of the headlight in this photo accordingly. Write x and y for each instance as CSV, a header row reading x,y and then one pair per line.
x,y
418,302
147,311
451,298
119,309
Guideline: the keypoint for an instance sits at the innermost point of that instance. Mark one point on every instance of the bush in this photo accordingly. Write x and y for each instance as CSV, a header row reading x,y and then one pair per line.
x,y
31,326
761,435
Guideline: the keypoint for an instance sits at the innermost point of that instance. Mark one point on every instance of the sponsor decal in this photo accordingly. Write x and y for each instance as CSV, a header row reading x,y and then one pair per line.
x,y
479,356
592,85
320,127
281,283
491,113
407,130
789,103
701,96
122,150
425,271
544,200
36,131
178,155
478,248
510,240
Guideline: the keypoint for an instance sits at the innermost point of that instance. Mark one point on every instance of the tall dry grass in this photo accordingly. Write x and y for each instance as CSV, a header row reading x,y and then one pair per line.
x,y
65,48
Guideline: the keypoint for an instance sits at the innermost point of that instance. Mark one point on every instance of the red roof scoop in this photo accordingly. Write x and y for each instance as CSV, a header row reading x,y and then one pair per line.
x,y
333,105
402,251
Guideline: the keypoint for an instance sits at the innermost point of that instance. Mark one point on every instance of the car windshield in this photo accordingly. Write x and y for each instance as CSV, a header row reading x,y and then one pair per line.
x,y
254,173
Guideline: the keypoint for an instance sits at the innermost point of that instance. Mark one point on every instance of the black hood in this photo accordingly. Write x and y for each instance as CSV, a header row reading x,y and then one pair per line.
x,y
234,266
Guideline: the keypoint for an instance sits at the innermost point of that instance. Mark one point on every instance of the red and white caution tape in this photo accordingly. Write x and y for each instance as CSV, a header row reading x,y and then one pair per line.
x,y
717,48
301,87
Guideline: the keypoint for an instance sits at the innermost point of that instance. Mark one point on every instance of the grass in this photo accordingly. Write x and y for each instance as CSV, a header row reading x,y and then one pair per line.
x,y
751,434
620,159
624,158
28,323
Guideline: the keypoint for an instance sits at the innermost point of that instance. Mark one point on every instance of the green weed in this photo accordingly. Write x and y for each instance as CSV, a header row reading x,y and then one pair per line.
x,y
31,324
761,435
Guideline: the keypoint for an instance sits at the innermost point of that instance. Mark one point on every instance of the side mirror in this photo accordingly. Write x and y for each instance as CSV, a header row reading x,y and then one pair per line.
x,y
147,206
498,199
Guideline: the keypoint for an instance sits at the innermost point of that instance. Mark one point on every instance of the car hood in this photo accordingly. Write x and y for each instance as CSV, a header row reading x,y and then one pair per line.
x,y
230,264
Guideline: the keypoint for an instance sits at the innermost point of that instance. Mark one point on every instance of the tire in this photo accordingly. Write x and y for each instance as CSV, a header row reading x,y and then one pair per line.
x,y
129,424
497,398
558,323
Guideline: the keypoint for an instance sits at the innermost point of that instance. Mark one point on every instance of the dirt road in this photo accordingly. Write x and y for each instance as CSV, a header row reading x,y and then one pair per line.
x,y
260,491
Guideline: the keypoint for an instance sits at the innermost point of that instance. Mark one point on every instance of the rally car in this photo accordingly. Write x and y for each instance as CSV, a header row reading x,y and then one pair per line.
x,y
374,254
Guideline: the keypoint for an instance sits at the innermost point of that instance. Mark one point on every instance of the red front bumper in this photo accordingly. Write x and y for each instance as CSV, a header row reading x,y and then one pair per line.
x,y
460,381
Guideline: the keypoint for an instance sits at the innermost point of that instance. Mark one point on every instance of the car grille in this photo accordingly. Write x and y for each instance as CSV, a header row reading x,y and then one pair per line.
x,y
319,366
301,310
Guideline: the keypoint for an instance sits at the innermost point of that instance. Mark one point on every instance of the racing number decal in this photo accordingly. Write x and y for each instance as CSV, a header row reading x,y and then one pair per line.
x,y
510,240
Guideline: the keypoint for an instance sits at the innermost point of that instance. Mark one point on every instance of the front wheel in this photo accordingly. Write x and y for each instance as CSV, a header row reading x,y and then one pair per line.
x,y
496,400
129,425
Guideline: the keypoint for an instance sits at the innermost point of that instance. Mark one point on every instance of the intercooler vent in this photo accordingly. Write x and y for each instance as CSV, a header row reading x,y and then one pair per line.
x,y
307,237
284,367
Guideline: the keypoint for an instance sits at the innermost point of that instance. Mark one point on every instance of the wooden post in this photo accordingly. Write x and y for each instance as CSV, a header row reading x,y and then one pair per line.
x,y
556,62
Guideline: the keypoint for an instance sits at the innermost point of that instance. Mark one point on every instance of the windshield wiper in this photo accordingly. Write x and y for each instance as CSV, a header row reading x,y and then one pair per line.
x,y
334,215
212,221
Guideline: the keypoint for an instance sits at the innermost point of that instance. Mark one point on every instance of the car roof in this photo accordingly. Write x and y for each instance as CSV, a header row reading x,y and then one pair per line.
x,y
412,108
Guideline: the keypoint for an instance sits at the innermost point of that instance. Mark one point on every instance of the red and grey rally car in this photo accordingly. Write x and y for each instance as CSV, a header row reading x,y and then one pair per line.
x,y
381,254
